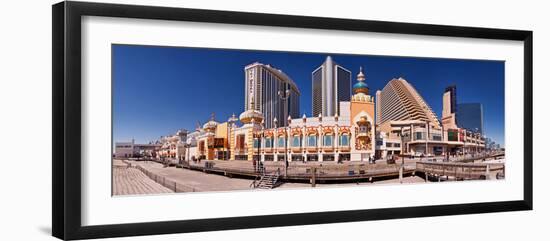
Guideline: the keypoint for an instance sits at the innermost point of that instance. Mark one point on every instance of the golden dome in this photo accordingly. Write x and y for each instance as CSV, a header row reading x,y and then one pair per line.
x,y
250,116
211,124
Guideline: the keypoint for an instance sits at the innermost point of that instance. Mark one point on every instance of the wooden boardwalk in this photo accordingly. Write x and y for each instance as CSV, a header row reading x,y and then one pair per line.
x,y
131,181
461,171
148,177
350,171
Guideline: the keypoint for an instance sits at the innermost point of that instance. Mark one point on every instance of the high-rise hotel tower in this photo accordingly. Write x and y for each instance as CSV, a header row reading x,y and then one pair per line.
x,y
331,83
400,101
262,86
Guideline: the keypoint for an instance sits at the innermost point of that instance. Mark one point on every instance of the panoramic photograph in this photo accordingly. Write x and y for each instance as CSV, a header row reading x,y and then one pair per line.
x,y
211,120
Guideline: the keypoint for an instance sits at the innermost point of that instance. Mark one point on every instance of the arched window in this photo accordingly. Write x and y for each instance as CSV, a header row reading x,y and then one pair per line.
x,y
327,140
296,141
312,141
281,142
344,140
268,142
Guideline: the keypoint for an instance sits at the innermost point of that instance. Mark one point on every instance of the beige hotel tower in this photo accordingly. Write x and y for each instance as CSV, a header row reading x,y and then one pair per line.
x,y
399,101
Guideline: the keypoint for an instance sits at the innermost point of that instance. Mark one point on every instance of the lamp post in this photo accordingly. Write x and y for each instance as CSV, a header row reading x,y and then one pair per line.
x,y
259,136
427,137
402,157
484,145
476,139
284,96
188,154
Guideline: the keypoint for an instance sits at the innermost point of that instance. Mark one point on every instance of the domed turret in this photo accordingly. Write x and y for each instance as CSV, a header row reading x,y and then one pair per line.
x,y
251,116
211,124
361,86
232,119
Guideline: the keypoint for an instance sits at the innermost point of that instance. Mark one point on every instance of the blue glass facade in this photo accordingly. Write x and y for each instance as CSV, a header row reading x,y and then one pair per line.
x,y
331,84
470,116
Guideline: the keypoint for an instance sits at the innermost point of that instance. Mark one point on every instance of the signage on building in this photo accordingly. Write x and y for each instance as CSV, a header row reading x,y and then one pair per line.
x,y
219,142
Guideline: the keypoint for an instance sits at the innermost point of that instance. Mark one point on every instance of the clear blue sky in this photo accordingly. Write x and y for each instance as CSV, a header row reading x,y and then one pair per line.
x,y
158,90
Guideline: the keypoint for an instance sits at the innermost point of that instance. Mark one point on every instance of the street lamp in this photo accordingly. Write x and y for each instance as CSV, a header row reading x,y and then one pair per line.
x,y
427,137
484,145
402,157
476,139
259,143
284,96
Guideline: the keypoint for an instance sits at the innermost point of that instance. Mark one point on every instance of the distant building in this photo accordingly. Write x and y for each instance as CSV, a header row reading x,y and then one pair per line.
x,y
174,146
331,84
130,149
125,149
489,144
470,116
263,83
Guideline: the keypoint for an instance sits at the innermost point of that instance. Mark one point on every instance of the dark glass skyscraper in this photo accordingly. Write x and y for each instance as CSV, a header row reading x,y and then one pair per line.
x,y
331,83
452,90
470,116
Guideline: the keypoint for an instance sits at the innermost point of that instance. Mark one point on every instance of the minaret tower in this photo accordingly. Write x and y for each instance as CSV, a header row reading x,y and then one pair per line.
x,y
362,120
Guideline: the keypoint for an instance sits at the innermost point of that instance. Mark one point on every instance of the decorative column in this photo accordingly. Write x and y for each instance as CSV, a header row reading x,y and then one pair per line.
x,y
262,143
304,138
320,139
287,141
275,143
336,139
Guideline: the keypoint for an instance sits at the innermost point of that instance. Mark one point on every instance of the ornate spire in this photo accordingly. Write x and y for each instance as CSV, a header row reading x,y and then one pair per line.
x,y
361,76
361,86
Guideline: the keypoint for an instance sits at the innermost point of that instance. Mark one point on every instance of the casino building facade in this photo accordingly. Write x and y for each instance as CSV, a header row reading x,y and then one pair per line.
x,y
344,137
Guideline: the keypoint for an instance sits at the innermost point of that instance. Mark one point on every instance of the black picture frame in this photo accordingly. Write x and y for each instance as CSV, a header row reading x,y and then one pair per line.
x,y
66,127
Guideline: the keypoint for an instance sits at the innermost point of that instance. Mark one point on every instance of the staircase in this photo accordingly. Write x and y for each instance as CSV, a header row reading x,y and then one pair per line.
x,y
267,181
